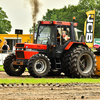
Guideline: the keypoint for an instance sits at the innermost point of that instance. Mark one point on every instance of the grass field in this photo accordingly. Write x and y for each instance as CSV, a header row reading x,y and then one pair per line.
x,y
48,80
51,80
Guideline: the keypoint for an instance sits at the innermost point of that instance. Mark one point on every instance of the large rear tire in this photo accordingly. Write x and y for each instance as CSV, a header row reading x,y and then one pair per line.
x,y
83,62
10,69
39,65
66,63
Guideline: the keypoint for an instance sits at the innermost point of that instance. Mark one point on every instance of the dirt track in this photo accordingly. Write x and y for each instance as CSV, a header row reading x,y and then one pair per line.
x,y
3,75
48,91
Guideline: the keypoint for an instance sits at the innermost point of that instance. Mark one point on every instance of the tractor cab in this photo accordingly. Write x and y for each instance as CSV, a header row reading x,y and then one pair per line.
x,y
47,32
56,35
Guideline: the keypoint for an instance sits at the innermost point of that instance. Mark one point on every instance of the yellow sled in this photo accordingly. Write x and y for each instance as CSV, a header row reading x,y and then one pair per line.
x,y
97,72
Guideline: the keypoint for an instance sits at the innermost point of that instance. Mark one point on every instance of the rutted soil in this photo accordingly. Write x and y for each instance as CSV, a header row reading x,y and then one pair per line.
x,y
51,92
48,91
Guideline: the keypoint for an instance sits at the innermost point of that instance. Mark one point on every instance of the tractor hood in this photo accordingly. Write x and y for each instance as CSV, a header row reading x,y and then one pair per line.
x,y
30,46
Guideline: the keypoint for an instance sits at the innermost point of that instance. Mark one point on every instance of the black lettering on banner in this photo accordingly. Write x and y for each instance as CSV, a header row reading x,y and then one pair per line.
x,y
89,29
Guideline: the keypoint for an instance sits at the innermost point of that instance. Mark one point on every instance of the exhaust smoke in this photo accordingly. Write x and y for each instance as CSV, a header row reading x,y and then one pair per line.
x,y
35,10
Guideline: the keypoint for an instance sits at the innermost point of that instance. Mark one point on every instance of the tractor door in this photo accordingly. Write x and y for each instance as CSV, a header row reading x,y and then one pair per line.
x,y
46,36
63,41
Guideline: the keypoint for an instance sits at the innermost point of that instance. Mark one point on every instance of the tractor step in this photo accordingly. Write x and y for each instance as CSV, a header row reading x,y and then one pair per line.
x,y
57,64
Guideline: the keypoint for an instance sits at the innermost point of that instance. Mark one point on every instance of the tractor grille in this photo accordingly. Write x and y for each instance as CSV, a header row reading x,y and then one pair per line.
x,y
20,45
20,54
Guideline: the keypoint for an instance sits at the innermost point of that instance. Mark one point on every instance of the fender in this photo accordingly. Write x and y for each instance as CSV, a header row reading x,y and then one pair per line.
x,y
71,43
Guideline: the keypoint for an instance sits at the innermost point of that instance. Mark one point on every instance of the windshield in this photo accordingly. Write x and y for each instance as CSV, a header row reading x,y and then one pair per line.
x,y
45,33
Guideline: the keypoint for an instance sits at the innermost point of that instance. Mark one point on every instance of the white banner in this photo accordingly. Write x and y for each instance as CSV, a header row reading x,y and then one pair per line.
x,y
2,57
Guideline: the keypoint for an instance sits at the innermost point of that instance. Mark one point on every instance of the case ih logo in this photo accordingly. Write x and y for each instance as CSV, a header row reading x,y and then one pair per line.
x,y
89,28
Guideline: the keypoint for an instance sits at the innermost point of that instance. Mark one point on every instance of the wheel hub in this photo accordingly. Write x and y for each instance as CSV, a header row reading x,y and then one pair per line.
x,y
15,67
85,63
40,66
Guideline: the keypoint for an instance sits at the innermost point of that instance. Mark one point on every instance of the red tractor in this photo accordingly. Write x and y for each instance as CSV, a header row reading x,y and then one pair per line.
x,y
53,53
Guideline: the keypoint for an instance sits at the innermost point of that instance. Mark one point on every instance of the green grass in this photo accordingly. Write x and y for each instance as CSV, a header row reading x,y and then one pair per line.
x,y
47,80
51,80
1,68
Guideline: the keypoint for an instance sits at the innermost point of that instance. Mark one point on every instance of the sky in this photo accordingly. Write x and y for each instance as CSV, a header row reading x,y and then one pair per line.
x,y
20,14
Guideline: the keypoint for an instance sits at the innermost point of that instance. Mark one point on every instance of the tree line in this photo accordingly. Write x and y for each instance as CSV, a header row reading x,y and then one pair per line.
x,y
5,24
79,11
64,14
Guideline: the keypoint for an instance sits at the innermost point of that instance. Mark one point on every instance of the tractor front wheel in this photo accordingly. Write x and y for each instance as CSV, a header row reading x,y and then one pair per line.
x,y
39,65
10,69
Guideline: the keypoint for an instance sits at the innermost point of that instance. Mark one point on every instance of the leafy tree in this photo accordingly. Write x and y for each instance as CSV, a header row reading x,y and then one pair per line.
x,y
79,11
87,5
5,25
31,29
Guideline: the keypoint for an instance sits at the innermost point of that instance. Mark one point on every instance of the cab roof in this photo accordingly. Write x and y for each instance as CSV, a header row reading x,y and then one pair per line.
x,y
57,23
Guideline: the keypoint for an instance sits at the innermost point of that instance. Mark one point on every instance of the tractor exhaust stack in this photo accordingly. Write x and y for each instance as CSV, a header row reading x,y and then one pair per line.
x,y
33,31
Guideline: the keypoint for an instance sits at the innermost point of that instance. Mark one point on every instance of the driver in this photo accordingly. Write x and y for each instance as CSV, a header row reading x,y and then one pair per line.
x,y
65,35
58,37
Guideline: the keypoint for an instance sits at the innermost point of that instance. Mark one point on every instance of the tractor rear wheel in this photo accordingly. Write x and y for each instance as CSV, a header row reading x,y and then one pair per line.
x,y
39,65
10,69
83,62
